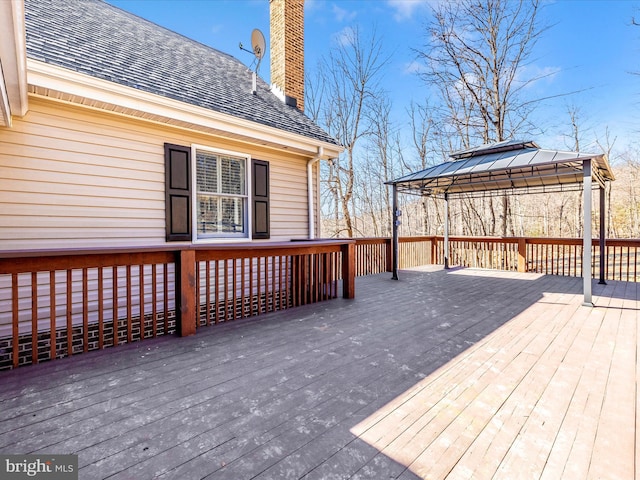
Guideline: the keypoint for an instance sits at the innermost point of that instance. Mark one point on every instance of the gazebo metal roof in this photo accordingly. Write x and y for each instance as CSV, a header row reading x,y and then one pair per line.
x,y
512,166
506,167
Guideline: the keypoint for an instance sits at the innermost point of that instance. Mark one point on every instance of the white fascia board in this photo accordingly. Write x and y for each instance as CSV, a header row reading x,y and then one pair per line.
x,y
13,57
83,86
5,110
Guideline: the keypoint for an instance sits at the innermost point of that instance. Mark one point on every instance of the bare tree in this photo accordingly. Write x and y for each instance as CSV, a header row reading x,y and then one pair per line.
x,y
607,148
475,59
572,140
349,81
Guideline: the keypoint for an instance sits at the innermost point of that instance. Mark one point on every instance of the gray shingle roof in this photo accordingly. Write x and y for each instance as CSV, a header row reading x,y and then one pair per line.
x,y
98,39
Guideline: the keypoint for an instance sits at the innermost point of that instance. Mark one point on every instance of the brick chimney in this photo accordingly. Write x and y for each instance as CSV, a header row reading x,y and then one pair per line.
x,y
287,50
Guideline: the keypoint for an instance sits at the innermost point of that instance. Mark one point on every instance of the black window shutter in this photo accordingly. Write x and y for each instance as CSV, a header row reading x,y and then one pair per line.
x,y
177,192
260,199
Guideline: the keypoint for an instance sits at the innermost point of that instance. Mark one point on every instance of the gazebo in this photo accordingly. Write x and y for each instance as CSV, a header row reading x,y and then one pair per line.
x,y
510,167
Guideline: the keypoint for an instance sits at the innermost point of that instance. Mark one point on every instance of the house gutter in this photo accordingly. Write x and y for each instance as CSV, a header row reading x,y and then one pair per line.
x,y
312,234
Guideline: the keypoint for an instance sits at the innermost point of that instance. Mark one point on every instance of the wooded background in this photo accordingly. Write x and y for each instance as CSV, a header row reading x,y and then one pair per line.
x,y
473,63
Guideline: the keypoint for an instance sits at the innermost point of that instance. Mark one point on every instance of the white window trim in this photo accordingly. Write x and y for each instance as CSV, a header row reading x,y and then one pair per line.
x,y
194,199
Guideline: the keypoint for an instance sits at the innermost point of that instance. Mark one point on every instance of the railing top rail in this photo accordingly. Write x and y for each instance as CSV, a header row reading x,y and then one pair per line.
x,y
420,238
168,248
90,260
371,240
542,240
77,252
47,260
629,242
380,240
479,239
271,249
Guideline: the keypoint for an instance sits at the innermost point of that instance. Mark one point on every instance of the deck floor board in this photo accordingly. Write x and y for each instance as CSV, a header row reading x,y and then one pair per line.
x,y
453,374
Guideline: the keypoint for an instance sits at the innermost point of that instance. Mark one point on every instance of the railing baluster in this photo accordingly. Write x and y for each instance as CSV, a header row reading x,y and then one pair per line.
x,y
114,281
34,317
15,329
259,285
85,310
100,309
154,299
198,294
628,262
141,298
129,306
165,280
274,303
251,283
69,312
52,314
242,287
280,287
621,262
226,290
284,276
299,279
217,292
235,288
264,297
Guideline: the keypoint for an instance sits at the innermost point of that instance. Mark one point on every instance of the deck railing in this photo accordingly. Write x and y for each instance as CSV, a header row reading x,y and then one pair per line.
x,y
555,256
59,303
373,255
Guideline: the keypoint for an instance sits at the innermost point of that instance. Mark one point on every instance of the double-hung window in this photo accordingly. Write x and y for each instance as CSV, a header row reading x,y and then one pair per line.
x,y
212,194
221,194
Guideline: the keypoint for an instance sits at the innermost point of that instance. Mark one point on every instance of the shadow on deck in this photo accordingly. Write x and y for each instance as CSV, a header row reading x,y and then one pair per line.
x,y
460,374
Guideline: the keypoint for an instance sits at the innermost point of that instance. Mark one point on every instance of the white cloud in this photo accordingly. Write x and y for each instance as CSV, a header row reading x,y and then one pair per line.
x,y
531,75
343,15
406,9
414,67
344,36
311,5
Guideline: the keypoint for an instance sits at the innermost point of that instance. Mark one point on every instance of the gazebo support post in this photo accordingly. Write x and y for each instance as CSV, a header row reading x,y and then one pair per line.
x,y
394,229
586,242
603,238
446,231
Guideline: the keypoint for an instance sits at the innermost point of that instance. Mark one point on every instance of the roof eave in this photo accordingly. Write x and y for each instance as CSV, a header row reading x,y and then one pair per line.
x,y
73,87
13,62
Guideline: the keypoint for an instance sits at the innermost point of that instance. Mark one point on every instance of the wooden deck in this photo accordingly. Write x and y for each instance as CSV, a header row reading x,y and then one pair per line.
x,y
457,375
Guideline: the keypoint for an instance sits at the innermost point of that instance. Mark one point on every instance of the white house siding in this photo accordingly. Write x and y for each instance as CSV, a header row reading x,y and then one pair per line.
x,y
73,177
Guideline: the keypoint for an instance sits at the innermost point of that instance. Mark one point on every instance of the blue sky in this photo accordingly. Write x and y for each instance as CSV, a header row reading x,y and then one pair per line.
x,y
591,47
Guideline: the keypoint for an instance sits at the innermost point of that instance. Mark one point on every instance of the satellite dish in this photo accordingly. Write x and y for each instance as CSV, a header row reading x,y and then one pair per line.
x,y
258,43
258,48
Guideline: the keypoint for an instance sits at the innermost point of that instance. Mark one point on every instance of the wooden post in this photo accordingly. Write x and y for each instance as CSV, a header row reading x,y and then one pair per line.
x,y
349,270
389,254
522,254
186,293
